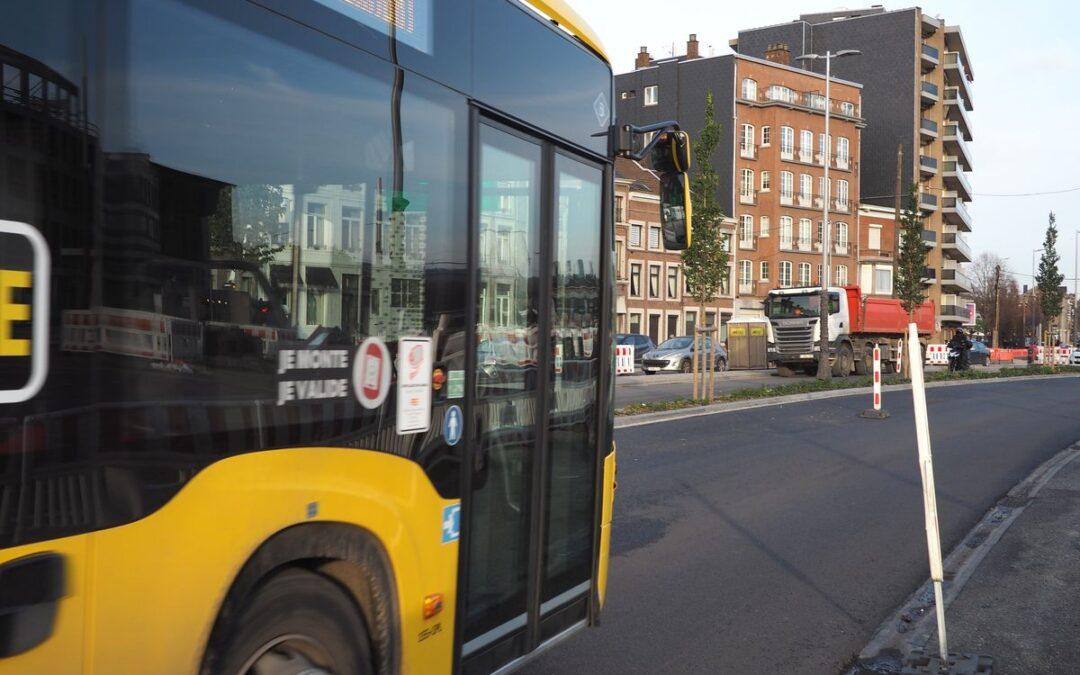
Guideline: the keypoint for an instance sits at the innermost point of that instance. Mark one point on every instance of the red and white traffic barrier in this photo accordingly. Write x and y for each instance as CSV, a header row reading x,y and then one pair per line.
x,y
624,359
937,355
876,412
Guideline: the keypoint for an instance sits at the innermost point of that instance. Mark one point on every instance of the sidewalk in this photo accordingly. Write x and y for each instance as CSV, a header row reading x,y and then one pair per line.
x,y
1022,603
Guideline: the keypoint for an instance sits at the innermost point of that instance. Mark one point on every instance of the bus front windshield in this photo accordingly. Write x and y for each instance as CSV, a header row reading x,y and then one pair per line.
x,y
798,306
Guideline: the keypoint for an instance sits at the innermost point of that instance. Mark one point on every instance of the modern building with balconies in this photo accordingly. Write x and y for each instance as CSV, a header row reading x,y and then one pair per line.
x,y
917,92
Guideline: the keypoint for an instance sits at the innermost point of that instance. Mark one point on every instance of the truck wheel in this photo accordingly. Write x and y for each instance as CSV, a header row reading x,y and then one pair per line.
x,y
865,365
784,371
844,361
298,622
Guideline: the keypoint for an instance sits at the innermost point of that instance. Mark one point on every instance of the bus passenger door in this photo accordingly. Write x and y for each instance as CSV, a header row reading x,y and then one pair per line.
x,y
527,559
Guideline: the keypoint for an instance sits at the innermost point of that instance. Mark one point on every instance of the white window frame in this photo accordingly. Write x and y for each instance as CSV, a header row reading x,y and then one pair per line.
x,y
841,275
749,89
787,233
659,238
746,272
746,142
805,234
763,273
763,229
746,231
842,234
659,295
766,135
842,194
651,95
892,279
805,272
806,145
746,186
640,267
806,189
872,232
667,278
787,142
843,152
787,187
785,274
640,229
766,181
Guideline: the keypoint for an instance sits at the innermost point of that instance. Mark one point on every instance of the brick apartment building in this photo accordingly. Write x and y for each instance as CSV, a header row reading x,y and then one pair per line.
x,y
651,290
917,94
770,159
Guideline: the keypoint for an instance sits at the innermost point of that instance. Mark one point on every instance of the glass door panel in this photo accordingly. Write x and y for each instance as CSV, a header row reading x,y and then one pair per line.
x,y
573,423
508,236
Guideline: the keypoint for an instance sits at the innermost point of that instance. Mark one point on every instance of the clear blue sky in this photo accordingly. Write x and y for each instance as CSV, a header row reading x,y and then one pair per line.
x,y
1026,94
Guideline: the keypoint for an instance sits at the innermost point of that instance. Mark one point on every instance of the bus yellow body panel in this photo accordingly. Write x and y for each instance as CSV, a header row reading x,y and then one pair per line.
x,y
142,598
605,525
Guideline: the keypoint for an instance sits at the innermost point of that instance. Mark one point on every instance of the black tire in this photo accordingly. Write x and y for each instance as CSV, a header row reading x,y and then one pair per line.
x,y
844,361
721,365
302,620
784,371
649,372
687,366
865,365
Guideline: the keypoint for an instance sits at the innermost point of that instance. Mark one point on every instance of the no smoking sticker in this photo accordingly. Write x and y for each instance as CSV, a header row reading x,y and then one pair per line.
x,y
371,373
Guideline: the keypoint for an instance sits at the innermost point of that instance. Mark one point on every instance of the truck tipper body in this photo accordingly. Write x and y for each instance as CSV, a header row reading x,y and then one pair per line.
x,y
856,325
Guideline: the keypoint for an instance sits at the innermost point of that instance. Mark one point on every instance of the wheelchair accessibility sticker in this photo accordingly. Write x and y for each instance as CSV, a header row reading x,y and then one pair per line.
x,y
451,523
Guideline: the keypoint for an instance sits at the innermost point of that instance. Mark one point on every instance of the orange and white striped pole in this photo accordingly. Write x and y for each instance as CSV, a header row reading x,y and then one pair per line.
x,y
876,413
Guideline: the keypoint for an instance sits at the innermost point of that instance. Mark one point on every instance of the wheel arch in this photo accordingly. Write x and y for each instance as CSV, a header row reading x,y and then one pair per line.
x,y
350,555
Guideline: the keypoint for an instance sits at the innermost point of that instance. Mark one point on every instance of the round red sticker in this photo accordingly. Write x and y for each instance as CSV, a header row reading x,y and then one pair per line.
x,y
371,373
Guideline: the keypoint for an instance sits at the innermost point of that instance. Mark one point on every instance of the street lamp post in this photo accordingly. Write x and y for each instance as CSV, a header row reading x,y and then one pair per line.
x,y
823,302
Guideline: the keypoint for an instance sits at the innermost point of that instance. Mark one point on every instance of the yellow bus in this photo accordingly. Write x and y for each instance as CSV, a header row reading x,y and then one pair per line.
x,y
305,351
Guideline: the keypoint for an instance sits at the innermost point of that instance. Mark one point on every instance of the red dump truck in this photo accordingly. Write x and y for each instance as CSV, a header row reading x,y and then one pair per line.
x,y
856,324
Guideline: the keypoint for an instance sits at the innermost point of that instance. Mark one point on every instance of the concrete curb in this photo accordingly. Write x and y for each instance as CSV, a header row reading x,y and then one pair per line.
x,y
628,421
913,624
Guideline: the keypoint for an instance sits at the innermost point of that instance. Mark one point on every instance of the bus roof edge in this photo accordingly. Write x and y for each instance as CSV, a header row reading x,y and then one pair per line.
x,y
566,17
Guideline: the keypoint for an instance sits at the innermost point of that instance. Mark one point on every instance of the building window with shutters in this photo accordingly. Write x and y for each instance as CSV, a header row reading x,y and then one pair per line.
x,y
635,236
654,238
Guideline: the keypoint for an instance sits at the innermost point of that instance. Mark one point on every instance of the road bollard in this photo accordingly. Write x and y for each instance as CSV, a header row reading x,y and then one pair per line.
x,y
876,413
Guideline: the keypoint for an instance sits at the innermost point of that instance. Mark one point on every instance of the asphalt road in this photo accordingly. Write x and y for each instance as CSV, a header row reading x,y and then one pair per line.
x,y
642,388
776,540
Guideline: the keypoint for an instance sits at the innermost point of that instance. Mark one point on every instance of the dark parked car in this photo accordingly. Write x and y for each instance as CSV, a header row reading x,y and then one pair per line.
x,y
640,343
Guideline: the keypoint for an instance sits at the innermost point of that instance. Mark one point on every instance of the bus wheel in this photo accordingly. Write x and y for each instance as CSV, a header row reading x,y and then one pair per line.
x,y
298,622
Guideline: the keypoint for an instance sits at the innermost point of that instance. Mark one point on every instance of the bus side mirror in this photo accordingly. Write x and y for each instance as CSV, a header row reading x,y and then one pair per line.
x,y
671,159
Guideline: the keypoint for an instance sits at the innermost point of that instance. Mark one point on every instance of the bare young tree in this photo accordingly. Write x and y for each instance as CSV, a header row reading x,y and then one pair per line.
x,y
985,284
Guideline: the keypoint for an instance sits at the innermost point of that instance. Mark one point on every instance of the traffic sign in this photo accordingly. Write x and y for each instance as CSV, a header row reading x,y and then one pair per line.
x,y
371,373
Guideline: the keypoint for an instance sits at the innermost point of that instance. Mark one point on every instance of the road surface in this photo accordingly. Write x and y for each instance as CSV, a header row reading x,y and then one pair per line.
x,y
776,540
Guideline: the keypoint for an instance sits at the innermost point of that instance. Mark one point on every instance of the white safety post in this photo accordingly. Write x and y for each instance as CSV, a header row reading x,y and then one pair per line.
x,y
926,469
877,379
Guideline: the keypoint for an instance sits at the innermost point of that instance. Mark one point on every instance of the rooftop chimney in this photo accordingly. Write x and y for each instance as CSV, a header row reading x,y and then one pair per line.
x,y
778,52
692,47
643,60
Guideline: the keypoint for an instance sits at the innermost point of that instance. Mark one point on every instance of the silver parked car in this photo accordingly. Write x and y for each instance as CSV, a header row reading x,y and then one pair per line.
x,y
676,355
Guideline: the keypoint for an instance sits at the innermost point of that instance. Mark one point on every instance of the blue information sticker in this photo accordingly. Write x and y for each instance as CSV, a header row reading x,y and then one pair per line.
x,y
451,523
453,424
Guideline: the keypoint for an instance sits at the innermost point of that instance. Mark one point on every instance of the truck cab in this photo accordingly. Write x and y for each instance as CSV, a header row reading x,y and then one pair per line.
x,y
795,316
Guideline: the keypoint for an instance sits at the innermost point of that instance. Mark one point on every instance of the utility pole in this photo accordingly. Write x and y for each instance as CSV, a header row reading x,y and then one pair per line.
x,y
896,225
997,305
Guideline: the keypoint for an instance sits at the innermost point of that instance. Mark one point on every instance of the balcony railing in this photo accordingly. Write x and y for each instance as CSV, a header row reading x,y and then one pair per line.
x,y
804,244
956,145
809,100
806,201
954,313
806,155
955,278
841,248
748,197
842,205
748,151
954,243
931,89
787,244
746,244
928,201
928,164
746,288
931,52
928,130
929,275
786,199
956,213
929,238
956,179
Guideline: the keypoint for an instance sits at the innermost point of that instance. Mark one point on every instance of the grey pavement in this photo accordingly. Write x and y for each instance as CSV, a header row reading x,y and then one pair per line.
x,y
1021,605
776,540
